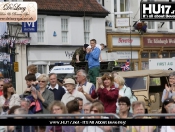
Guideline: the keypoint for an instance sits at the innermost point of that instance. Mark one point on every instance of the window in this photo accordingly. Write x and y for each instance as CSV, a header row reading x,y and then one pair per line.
x,y
41,68
155,82
115,5
153,55
86,31
145,65
136,83
170,25
124,7
165,55
145,55
172,54
64,29
151,25
40,32
101,2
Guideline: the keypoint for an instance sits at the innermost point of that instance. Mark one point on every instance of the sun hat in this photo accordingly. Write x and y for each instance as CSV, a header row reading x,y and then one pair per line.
x,y
69,81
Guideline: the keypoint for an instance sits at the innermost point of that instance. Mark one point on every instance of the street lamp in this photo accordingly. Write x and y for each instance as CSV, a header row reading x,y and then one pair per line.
x,y
13,31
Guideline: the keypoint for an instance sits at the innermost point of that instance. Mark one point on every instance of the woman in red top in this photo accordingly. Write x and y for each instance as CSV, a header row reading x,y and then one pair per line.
x,y
108,94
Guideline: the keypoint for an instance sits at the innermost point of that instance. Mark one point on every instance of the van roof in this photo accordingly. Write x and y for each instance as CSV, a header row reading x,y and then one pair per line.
x,y
68,69
141,73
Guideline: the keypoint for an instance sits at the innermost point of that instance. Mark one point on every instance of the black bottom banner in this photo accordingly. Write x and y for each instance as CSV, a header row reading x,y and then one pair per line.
x,y
87,122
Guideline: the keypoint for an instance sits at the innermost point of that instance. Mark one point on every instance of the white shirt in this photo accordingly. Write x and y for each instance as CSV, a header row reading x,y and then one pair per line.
x,y
56,87
68,97
97,45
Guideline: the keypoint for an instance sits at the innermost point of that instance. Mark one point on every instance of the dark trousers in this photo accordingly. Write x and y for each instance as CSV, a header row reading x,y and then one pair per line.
x,y
93,73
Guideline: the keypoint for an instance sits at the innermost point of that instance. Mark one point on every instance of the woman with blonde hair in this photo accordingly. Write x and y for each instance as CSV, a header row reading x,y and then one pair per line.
x,y
108,94
43,95
123,90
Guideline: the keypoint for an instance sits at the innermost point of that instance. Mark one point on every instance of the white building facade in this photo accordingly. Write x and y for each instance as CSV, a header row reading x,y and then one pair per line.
x,y
131,9
59,35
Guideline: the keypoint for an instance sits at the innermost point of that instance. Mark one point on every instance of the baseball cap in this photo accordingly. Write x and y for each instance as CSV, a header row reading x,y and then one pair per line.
x,y
86,45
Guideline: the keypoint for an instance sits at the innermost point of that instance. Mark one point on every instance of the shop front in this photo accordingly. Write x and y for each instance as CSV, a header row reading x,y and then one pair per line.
x,y
140,48
124,47
45,57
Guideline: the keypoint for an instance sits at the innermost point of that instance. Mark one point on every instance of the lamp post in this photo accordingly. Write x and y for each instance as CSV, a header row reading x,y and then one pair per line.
x,y
13,31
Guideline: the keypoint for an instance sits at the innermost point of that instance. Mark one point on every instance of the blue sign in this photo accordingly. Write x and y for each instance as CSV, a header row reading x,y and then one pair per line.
x,y
29,26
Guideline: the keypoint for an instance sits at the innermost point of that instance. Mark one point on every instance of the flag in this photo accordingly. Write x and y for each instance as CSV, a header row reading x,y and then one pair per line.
x,y
125,66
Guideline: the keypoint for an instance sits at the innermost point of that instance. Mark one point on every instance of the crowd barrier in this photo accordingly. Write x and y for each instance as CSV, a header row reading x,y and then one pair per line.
x,y
31,120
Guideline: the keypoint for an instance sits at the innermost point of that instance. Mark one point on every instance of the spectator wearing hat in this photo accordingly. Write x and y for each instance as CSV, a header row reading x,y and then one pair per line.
x,y
79,55
72,92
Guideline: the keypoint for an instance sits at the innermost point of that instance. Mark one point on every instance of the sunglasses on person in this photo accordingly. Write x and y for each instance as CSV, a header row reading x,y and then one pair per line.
x,y
42,81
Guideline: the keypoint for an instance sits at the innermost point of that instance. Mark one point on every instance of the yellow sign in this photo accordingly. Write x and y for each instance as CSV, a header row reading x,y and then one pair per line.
x,y
16,67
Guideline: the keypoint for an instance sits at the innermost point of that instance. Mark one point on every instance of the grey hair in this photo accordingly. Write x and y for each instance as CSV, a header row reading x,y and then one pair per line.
x,y
172,106
83,72
172,74
86,104
52,74
28,102
21,111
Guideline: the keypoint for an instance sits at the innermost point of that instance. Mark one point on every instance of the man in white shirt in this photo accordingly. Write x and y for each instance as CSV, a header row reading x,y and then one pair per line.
x,y
101,47
55,88
83,85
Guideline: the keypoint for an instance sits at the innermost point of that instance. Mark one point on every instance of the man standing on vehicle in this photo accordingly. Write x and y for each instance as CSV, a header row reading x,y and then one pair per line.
x,y
78,56
92,56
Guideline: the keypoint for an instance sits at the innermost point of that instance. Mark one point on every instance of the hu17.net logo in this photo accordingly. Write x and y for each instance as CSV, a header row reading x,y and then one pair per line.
x,y
151,11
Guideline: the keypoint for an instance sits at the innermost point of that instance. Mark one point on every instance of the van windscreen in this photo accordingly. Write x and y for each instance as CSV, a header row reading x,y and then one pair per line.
x,y
137,83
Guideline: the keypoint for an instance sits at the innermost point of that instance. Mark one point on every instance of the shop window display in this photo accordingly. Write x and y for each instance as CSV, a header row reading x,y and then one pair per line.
x,y
5,61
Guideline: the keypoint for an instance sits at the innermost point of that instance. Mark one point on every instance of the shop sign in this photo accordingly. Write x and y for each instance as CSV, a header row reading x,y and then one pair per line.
x,y
125,41
122,55
159,41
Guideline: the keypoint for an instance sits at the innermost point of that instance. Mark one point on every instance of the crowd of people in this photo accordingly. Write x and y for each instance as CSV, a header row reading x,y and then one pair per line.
x,y
46,95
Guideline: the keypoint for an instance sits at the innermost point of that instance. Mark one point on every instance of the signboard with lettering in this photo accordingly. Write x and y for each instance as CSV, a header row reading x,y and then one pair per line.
x,y
29,26
159,41
122,22
125,41
122,55
162,64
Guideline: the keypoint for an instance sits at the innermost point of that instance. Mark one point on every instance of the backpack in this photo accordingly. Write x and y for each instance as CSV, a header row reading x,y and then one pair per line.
x,y
133,98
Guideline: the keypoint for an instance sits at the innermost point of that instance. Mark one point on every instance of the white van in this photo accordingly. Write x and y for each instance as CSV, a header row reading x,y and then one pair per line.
x,y
63,71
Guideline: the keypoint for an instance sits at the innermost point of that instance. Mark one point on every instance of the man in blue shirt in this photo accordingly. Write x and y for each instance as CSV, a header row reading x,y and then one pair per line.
x,y
92,56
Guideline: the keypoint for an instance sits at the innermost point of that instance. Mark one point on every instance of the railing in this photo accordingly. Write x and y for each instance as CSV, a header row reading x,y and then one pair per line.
x,y
34,121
